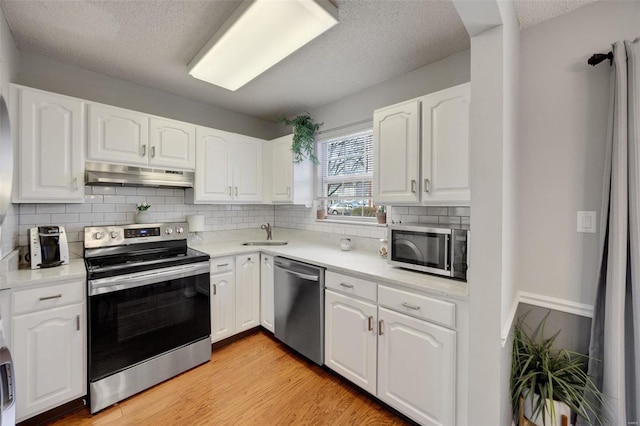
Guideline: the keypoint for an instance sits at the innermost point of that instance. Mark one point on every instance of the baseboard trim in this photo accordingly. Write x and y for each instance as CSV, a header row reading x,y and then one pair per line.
x,y
554,303
55,413
235,337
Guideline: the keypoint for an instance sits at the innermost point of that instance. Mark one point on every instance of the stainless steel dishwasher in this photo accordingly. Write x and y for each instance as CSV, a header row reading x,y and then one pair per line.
x,y
299,307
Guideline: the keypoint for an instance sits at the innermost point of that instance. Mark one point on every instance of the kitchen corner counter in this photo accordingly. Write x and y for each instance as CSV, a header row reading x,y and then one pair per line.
x,y
363,264
27,277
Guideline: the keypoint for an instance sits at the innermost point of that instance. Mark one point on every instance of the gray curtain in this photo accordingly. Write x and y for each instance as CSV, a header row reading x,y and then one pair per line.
x,y
615,330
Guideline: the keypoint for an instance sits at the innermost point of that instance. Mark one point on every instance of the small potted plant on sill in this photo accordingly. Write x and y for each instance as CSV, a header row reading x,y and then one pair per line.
x,y
142,215
321,212
553,383
304,132
381,215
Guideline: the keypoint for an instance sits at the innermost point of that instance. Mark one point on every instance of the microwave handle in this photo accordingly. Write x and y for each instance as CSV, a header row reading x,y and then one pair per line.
x,y
447,247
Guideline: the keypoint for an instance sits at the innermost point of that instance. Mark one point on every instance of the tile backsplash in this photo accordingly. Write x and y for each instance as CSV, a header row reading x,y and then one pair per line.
x,y
117,205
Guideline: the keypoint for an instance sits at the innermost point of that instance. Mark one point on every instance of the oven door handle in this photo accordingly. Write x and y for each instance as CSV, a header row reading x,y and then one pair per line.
x,y
138,279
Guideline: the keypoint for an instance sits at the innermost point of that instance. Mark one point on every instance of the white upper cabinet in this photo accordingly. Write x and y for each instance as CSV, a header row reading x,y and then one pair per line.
x,y
49,140
117,135
122,136
421,150
247,169
445,146
285,181
171,144
396,153
228,168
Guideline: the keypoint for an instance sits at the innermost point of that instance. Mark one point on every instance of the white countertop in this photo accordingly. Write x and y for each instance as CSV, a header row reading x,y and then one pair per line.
x,y
27,277
363,264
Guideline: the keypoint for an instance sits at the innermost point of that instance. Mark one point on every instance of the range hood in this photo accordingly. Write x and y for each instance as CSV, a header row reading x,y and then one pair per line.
x,y
116,175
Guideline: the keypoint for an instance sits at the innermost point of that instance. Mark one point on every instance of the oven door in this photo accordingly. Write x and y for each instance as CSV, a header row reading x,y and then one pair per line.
x,y
139,316
421,249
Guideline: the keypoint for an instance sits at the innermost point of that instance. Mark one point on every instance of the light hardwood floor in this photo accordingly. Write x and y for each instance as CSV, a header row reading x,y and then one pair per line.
x,y
253,381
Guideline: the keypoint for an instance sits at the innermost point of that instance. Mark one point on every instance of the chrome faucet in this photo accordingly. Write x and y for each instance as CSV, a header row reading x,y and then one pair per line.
x,y
267,228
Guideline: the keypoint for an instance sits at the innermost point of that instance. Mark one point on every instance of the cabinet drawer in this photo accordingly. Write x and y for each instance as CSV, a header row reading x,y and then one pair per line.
x,y
48,297
222,265
434,310
350,285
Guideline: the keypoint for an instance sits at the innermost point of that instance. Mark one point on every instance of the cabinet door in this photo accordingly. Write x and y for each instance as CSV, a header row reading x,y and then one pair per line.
x,y
172,144
50,149
350,339
247,291
118,135
445,146
213,178
49,359
223,306
396,153
266,292
282,170
247,169
416,368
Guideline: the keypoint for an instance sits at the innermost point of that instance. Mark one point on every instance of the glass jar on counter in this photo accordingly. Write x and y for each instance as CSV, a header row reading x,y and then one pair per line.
x,y
383,250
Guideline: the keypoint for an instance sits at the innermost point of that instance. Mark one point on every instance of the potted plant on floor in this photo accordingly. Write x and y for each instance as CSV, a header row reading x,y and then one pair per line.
x,y
381,215
304,132
552,382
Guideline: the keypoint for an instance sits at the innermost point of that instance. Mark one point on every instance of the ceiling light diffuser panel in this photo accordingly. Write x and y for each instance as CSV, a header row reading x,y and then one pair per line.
x,y
258,35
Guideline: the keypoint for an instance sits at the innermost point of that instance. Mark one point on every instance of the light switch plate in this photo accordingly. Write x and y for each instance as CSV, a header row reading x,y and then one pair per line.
x,y
587,222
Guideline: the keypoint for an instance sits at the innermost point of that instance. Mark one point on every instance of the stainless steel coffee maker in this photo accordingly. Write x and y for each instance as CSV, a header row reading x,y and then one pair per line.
x,y
48,247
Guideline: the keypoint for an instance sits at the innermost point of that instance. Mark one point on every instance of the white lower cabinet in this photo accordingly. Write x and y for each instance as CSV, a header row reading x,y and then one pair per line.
x,y
392,344
235,295
247,291
266,292
416,368
223,298
48,342
350,339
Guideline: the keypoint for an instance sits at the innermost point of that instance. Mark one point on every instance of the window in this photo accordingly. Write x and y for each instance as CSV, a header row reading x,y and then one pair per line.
x,y
346,177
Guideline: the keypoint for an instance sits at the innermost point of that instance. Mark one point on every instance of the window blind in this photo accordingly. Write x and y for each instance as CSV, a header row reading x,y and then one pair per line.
x,y
347,167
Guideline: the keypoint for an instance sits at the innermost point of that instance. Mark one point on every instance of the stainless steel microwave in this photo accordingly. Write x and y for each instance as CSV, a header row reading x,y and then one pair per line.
x,y
430,248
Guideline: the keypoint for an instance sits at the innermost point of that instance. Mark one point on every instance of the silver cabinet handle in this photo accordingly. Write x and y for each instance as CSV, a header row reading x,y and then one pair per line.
x,y
413,185
380,327
346,285
144,150
370,323
410,306
214,290
222,265
78,322
153,151
426,185
57,296
236,191
75,184
288,191
229,191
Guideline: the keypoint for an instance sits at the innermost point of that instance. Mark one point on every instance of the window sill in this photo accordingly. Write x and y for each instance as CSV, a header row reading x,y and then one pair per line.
x,y
352,222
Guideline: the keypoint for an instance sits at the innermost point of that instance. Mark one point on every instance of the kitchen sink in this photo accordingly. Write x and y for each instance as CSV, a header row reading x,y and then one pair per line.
x,y
265,243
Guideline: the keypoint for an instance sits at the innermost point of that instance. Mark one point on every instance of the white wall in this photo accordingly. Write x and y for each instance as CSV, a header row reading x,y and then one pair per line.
x,y
47,74
564,110
9,62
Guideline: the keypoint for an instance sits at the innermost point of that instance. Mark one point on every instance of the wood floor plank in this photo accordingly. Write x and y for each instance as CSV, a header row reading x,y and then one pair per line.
x,y
253,381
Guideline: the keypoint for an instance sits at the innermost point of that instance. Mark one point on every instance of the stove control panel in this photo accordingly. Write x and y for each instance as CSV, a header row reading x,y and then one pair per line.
x,y
107,236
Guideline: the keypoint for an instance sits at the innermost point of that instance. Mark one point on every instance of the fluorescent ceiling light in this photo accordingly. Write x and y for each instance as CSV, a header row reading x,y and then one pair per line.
x,y
258,35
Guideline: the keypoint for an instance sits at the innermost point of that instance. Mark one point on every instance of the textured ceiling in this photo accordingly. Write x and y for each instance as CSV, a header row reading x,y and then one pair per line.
x,y
531,12
151,42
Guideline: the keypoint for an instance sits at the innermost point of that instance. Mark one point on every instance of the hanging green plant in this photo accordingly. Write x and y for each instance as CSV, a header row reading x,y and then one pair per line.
x,y
304,132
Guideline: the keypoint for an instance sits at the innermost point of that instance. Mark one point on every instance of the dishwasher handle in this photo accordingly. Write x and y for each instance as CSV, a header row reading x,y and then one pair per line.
x,y
303,276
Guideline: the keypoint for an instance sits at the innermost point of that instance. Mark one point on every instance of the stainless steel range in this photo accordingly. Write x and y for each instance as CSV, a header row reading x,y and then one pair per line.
x,y
149,308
